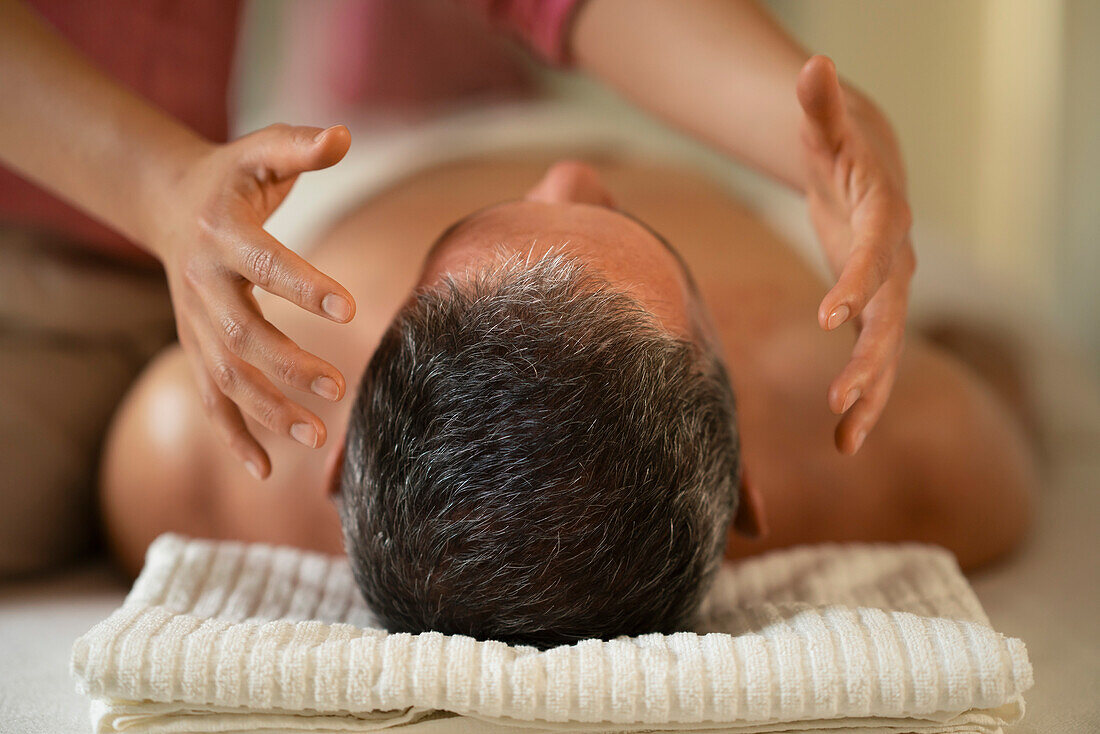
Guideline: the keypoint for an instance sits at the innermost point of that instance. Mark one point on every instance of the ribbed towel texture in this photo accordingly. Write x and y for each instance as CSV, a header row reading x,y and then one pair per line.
x,y
229,637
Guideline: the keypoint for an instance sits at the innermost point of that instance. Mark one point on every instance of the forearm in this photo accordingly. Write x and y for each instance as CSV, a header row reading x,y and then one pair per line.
x,y
75,132
722,70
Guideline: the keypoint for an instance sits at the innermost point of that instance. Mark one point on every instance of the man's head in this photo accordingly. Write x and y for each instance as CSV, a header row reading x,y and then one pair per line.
x,y
543,447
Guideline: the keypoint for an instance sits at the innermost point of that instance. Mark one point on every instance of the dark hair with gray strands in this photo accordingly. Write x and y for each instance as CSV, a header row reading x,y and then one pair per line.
x,y
532,459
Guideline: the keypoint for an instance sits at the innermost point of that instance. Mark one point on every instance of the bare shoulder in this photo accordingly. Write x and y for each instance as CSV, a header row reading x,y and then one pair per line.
x,y
154,458
165,470
948,463
971,470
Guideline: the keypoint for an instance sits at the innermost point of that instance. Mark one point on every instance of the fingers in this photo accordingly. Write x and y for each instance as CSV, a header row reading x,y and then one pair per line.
x,y
853,429
821,98
881,228
225,416
245,333
863,387
878,346
225,335
284,151
263,261
254,394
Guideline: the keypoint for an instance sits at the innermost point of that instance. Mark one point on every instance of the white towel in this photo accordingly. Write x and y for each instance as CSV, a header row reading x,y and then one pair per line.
x,y
228,637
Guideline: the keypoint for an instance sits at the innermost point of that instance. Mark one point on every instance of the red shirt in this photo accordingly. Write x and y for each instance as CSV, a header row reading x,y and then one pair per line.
x,y
178,54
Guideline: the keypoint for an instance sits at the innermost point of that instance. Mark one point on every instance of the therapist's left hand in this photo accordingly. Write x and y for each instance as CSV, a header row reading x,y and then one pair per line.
x,y
857,198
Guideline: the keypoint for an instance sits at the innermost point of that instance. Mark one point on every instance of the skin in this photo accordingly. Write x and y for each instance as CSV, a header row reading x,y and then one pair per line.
x,y
721,70
726,72
946,450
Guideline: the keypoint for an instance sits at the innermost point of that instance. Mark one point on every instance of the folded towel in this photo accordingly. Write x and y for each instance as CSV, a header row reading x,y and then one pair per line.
x,y
228,637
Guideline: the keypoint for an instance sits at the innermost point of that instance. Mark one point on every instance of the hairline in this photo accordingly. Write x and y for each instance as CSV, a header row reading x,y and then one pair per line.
x,y
457,225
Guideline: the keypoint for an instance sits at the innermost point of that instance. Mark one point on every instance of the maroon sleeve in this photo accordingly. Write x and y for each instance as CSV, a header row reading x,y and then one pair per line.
x,y
544,25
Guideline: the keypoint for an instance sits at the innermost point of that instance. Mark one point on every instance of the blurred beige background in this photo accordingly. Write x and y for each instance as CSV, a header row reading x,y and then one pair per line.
x,y
997,103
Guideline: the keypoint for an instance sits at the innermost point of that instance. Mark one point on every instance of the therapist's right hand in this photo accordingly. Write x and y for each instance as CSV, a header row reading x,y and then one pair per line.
x,y
214,249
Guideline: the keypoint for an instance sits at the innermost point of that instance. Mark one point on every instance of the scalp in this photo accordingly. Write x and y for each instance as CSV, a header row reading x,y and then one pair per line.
x,y
530,458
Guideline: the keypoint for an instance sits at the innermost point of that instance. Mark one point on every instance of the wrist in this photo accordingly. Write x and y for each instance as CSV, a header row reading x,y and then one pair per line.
x,y
861,109
163,192
880,133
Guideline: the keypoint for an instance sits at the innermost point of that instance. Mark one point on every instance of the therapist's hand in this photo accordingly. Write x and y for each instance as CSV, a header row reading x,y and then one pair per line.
x,y
211,240
857,199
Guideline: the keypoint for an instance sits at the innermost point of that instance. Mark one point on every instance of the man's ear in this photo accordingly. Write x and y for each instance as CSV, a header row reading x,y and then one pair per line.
x,y
334,463
750,521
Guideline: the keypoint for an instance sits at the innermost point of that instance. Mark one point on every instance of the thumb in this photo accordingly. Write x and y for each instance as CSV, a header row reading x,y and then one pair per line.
x,y
285,150
821,98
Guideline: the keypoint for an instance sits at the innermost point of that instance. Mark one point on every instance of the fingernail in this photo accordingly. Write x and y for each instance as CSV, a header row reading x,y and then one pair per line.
x,y
253,469
862,434
326,387
849,401
838,317
337,307
317,138
304,434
